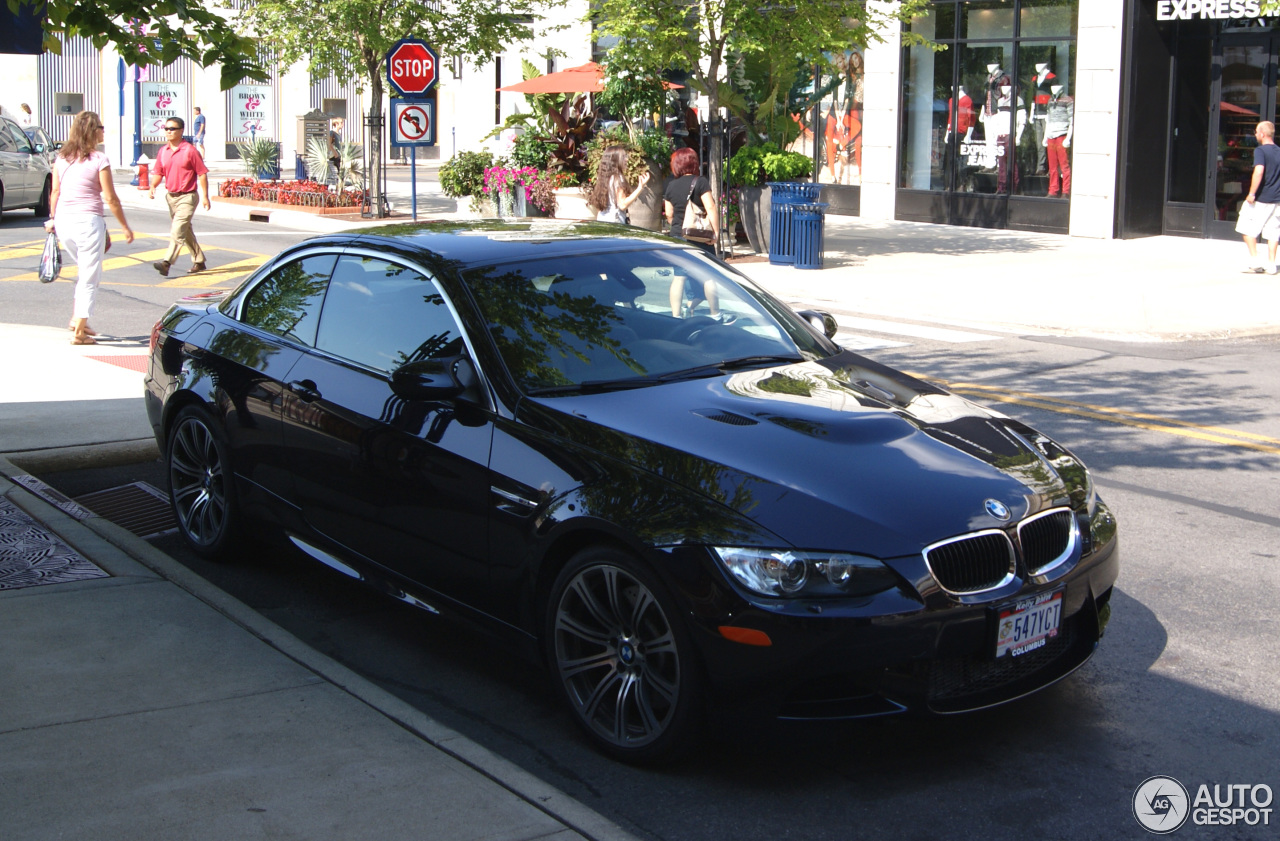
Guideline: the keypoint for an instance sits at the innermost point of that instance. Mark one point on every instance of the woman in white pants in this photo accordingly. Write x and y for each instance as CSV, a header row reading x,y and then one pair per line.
x,y
81,184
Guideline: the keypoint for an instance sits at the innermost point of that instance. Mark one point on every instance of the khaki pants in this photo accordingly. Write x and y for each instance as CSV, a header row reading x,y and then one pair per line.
x,y
182,206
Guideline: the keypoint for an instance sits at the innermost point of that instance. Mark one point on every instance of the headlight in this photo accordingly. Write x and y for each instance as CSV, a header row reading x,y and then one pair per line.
x,y
787,572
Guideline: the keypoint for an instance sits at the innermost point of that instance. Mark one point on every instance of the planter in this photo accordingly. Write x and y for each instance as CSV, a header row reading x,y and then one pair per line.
x,y
571,203
646,211
476,207
754,207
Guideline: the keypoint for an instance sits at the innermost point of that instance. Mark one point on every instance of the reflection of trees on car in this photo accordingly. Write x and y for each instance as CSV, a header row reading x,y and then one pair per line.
x,y
280,305
532,328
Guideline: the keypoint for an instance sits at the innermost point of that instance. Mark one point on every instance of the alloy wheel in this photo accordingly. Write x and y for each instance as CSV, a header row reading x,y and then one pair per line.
x,y
197,482
617,656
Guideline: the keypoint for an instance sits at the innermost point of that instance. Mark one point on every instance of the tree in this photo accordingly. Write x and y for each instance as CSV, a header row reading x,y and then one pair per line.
x,y
358,33
701,37
146,32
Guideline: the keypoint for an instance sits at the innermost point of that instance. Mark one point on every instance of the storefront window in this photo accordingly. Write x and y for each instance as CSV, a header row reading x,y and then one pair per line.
x,y
840,120
992,113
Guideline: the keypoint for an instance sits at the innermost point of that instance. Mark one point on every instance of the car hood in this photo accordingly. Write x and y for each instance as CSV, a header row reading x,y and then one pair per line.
x,y
842,453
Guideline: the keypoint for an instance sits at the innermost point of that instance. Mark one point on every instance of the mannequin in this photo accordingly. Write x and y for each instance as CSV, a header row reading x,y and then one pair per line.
x,y
960,120
1041,82
1059,125
997,129
995,78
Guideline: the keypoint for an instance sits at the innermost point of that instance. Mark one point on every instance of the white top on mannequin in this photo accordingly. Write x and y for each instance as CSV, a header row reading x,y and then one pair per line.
x,y
1001,126
991,68
1057,89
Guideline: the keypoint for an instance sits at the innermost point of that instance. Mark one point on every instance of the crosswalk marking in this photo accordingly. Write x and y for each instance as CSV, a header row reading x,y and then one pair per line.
x,y
855,341
215,275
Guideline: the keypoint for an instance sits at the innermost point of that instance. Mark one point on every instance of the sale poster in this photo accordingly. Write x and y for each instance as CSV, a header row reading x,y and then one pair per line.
x,y
162,101
252,108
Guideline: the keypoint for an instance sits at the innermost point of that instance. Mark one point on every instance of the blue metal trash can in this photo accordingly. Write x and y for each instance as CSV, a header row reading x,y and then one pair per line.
x,y
299,168
785,195
807,226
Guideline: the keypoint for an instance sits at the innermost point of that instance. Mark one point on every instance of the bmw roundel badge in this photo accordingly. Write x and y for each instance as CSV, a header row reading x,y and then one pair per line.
x,y
997,509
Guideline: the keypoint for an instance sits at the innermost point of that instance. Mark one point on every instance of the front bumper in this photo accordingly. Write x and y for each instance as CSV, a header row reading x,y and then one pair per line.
x,y
856,661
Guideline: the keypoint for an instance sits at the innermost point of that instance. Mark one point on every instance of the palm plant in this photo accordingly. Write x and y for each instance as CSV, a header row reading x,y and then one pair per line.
x,y
350,165
316,158
260,156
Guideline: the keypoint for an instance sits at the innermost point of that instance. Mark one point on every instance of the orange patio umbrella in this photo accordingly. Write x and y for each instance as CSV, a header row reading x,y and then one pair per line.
x,y
585,78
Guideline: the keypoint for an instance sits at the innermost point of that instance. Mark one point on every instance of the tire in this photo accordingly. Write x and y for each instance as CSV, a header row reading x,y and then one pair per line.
x,y
42,206
620,658
201,484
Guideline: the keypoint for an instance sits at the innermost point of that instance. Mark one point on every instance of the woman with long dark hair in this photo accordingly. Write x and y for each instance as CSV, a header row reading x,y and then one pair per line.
x,y
688,186
612,194
81,184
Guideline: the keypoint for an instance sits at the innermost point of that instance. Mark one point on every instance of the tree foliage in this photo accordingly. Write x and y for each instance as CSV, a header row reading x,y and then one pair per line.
x,y
153,33
702,37
358,33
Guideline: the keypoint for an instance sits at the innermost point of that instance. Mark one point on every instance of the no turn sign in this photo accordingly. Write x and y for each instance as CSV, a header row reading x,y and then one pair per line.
x,y
413,122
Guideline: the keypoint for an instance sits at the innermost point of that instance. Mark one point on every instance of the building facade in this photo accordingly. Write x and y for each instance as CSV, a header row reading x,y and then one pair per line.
x,y
1094,118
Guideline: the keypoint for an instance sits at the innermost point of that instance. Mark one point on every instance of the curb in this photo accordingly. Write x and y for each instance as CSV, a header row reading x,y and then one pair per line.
x,y
109,454
509,776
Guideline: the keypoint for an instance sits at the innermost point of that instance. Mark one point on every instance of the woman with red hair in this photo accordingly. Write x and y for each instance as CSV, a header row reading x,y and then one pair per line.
x,y
688,186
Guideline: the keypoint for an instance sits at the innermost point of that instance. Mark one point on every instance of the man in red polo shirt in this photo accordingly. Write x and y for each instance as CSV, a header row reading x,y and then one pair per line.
x,y
183,171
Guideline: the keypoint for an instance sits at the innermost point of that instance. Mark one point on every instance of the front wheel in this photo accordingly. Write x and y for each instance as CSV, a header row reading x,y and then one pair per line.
x,y
621,659
201,485
46,195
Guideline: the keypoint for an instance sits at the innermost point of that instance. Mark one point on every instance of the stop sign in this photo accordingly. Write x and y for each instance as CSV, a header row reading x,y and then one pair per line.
x,y
411,67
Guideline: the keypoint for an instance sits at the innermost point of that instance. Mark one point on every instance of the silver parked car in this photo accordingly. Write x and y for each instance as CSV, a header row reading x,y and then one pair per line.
x,y
26,179
43,143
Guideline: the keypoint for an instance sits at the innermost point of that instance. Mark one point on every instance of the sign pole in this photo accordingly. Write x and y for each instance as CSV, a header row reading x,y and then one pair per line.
x,y
413,179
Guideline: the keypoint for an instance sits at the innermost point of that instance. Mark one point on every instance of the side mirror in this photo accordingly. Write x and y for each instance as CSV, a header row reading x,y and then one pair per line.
x,y
433,379
40,148
823,322
56,146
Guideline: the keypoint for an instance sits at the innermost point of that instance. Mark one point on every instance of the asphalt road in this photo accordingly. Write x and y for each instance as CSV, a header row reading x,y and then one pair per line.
x,y
1184,440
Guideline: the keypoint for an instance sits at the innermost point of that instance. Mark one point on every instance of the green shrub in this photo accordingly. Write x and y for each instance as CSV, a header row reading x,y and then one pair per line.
x,y
529,150
752,166
463,175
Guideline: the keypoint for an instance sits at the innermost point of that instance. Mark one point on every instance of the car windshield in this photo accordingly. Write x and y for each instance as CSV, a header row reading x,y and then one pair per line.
x,y
596,322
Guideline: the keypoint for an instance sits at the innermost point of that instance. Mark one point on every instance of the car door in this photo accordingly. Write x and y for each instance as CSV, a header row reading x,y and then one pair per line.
x,y
402,483
25,191
250,354
13,170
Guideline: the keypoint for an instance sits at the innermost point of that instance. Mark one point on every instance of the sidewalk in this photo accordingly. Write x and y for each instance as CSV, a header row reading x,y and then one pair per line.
x,y
138,701
1150,289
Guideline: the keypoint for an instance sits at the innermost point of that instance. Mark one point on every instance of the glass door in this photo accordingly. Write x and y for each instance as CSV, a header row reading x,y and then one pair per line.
x,y
1244,95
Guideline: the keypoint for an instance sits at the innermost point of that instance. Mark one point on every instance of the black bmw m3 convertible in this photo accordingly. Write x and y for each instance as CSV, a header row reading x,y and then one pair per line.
x,y
681,494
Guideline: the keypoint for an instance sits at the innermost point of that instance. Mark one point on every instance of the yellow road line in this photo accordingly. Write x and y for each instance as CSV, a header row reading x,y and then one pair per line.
x,y
1138,420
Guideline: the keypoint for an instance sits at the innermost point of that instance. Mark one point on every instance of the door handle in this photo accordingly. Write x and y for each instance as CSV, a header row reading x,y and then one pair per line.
x,y
305,389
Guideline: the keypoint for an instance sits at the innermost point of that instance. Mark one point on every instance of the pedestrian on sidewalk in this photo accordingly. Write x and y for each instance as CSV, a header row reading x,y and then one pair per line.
x,y
198,126
183,170
1260,213
612,194
81,184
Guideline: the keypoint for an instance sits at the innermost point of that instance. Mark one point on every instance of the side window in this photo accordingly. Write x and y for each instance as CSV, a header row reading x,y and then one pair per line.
x,y
7,143
20,138
288,302
383,315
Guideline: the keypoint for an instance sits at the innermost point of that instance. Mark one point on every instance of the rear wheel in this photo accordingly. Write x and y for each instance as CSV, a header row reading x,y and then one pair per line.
x,y
621,659
42,207
201,485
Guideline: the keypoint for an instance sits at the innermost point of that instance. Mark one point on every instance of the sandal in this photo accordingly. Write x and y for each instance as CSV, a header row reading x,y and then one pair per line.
x,y
83,340
87,331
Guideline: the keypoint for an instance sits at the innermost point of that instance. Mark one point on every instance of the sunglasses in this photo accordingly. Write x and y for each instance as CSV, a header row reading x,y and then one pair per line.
x,y
173,128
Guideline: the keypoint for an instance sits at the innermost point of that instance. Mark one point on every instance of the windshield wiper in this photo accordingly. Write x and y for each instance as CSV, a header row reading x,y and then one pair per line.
x,y
709,370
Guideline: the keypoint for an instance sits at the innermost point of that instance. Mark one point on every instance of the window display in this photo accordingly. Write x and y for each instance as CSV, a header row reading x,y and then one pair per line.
x,y
976,117
840,120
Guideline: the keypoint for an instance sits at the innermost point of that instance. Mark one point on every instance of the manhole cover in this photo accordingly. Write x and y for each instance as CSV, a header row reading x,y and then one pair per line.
x,y
139,507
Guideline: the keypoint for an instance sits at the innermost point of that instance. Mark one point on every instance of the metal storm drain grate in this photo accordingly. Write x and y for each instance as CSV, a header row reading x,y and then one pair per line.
x,y
139,507
31,556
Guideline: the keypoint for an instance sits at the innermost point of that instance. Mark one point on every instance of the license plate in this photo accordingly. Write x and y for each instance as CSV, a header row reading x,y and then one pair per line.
x,y
1029,624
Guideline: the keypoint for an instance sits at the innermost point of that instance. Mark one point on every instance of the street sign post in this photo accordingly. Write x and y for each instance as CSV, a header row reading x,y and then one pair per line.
x,y
412,67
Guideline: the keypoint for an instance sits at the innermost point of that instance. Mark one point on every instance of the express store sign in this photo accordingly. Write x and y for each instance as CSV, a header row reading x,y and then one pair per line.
x,y
1207,9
